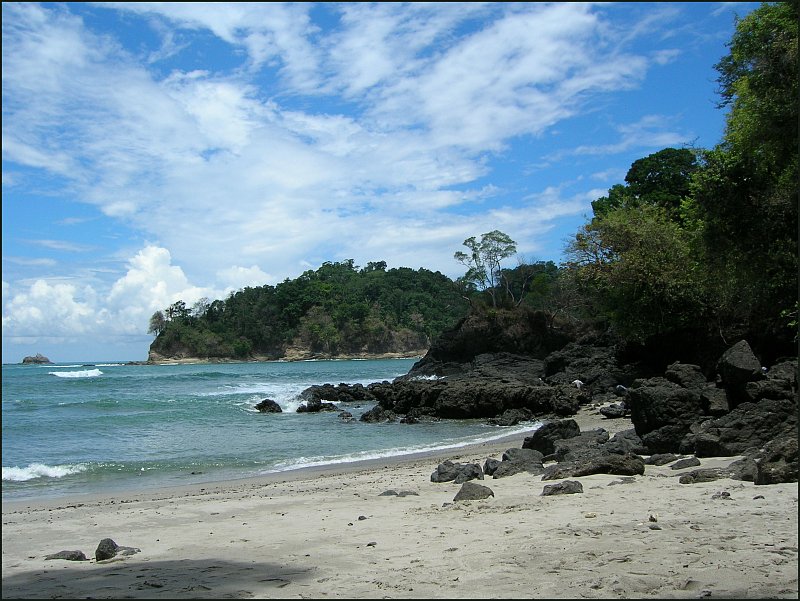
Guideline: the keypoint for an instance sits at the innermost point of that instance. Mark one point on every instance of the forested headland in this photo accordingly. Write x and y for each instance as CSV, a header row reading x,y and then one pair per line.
x,y
696,249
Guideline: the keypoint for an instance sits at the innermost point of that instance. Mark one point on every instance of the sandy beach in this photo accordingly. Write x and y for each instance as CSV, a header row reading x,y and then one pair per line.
x,y
331,534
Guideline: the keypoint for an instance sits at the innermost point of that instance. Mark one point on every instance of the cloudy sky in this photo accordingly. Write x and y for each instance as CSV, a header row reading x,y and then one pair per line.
x,y
162,151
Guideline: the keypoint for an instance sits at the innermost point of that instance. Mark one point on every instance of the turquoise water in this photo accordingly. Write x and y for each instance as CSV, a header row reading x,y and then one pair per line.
x,y
108,427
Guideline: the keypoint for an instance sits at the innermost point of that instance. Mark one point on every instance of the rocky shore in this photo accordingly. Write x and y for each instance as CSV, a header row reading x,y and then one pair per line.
x,y
737,407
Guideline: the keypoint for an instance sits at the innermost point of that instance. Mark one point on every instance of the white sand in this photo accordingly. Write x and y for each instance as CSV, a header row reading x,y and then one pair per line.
x,y
328,533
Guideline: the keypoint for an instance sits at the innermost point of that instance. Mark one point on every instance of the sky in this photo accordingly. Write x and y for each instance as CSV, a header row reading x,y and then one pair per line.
x,y
155,152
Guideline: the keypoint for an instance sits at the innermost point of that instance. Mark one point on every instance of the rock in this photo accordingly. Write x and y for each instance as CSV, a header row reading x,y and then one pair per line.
x,y
511,417
567,487
315,405
378,414
609,463
777,461
269,406
614,411
543,439
684,463
661,459
470,491
490,465
703,475
106,549
458,472
516,461
738,365
37,359
68,555
662,412
749,425
626,441
686,375
343,393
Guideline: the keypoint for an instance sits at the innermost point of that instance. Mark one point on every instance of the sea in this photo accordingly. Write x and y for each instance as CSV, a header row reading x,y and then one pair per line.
x,y
111,427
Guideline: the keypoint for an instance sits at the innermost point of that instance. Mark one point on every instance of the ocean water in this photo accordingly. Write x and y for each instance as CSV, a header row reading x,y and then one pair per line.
x,y
109,427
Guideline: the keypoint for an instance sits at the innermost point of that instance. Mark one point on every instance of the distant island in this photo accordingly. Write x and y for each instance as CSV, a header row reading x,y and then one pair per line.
x,y
37,359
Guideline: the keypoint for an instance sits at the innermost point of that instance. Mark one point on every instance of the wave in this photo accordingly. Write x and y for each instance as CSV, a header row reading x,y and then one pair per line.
x,y
86,373
306,462
40,470
110,364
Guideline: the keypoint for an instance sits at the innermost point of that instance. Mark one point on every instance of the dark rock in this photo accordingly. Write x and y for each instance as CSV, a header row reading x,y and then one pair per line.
x,y
749,425
106,549
68,555
315,406
738,365
661,459
567,487
543,439
580,446
684,463
626,441
448,471
511,417
614,411
714,401
490,465
773,388
595,366
743,469
686,375
517,461
378,414
658,404
470,491
345,416
704,475
777,461
269,406
343,393
37,359
610,463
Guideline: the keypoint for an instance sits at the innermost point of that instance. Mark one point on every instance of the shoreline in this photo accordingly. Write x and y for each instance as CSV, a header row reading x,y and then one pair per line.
x,y
297,357
328,531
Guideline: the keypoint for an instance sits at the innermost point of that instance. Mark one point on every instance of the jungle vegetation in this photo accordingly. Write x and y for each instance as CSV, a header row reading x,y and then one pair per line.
x,y
695,244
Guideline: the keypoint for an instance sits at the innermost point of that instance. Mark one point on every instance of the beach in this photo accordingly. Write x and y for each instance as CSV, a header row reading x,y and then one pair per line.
x,y
331,533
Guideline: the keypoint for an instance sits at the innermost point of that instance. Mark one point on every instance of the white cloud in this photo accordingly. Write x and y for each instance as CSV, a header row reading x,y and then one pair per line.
x,y
220,173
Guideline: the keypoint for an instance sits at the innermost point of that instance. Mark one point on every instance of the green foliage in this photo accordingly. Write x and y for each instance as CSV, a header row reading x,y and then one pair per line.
x,y
336,309
708,237
483,260
640,270
661,179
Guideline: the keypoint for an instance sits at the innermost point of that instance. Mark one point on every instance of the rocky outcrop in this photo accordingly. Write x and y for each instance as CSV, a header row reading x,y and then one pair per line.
x,y
268,406
37,359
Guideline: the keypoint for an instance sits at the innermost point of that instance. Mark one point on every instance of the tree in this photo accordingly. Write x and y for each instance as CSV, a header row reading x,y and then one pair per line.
x,y
157,323
746,191
661,179
483,260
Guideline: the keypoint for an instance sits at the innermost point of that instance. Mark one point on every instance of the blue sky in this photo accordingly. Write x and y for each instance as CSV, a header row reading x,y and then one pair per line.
x,y
162,151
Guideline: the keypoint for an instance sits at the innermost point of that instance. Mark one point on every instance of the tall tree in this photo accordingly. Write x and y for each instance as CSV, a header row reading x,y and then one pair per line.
x,y
484,259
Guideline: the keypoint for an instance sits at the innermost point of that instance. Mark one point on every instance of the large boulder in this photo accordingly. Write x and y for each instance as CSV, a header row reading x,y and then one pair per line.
x,y
777,461
738,366
449,471
659,404
749,425
544,438
269,406
517,461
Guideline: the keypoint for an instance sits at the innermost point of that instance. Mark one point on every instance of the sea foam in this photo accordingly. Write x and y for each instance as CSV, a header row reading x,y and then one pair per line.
x,y
40,470
84,373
